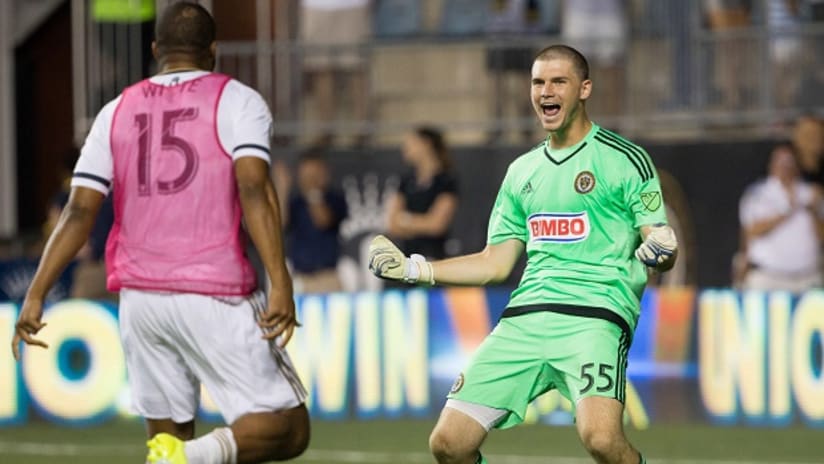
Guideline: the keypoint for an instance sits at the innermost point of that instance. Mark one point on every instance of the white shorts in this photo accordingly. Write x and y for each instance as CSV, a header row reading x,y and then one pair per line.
x,y
486,416
174,342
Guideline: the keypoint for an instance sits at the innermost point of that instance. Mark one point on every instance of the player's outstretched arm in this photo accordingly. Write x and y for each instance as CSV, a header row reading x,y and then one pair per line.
x,y
261,211
70,234
493,264
659,250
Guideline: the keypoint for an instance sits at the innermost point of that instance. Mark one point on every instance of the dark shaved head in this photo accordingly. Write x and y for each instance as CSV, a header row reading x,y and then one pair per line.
x,y
567,53
185,28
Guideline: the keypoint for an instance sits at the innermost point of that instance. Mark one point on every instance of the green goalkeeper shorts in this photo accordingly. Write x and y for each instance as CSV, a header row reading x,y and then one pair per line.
x,y
530,354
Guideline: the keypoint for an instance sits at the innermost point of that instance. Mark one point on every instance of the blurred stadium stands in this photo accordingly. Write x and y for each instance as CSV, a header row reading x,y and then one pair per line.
x,y
426,62
706,92
673,74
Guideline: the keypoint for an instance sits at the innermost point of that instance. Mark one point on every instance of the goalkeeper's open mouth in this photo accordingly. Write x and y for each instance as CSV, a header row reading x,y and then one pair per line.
x,y
550,109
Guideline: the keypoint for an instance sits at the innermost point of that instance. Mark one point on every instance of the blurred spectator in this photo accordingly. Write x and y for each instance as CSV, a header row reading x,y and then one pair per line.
x,y
662,52
509,58
732,60
783,25
89,273
333,31
599,30
782,221
808,140
312,217
421,212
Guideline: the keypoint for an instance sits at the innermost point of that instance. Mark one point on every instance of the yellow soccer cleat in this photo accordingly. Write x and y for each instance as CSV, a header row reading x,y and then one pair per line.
x,y
166,449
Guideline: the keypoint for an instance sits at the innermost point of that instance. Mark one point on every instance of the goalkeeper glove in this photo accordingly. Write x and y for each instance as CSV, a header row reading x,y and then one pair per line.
x,y
388,262
659,247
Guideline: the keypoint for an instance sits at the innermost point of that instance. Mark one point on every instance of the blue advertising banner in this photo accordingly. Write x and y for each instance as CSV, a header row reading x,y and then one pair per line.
x,y
16,274
715,355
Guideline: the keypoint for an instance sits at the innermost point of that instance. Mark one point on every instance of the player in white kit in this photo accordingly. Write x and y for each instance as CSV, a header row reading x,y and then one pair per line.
x,y
185,155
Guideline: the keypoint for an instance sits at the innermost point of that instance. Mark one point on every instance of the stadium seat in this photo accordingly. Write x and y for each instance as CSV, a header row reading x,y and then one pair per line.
x,y
396,18
463,17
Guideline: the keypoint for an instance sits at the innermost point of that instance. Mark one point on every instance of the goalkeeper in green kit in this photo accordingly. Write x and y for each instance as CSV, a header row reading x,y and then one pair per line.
x,y
586,206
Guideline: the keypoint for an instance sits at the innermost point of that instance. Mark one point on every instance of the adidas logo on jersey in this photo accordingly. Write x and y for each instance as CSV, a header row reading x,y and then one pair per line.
x,y
527,188
558,227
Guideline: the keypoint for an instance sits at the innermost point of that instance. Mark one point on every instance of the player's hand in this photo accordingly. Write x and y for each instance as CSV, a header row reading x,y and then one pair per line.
x,y
28,324
279,319
388,262
659,248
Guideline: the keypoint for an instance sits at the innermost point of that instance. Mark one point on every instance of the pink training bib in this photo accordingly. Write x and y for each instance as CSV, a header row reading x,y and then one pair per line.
x,y
177,220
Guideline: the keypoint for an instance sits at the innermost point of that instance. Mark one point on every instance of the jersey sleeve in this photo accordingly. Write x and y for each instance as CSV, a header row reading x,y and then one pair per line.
x,y
507,219
244,122
95,166
642,193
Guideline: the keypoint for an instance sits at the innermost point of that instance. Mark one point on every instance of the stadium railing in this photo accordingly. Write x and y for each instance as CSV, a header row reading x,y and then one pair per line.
x,y
740,83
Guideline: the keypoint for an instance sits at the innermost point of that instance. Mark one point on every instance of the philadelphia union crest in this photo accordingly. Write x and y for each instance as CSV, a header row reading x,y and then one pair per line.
x,y
456,387
584,182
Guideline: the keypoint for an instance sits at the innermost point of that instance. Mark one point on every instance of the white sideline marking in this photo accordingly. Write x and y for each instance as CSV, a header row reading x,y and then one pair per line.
x,y
57,449
379,457
54,449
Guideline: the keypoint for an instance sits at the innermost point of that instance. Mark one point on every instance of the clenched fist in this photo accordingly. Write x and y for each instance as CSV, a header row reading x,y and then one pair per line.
x,y
388,262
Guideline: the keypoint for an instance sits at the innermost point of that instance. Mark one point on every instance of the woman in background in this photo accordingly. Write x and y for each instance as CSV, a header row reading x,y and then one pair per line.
x,y
422,210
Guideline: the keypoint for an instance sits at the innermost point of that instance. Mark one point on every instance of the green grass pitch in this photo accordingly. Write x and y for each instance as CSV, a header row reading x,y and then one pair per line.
x,y
405,441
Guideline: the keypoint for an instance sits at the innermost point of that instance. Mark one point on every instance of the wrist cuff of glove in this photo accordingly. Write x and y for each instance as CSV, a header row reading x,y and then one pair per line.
x,y
419,270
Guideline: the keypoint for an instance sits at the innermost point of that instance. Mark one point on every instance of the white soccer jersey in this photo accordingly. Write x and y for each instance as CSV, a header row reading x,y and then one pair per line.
x,y
244,126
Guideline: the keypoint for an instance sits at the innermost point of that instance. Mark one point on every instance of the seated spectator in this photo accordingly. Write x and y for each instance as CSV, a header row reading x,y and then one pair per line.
x,y
332,31
599,29
312,217
733,66
509,58
421,212
782,221
783,24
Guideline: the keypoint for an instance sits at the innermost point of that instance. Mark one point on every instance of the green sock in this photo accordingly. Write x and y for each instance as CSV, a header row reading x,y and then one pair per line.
x,y
481,459
641,459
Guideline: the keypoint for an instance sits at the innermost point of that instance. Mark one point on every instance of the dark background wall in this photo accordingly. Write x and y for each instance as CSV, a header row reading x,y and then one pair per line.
x,y
711,177
45,128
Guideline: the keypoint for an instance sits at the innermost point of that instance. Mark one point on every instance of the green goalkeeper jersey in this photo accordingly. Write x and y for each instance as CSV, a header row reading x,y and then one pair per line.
x,y
579,210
